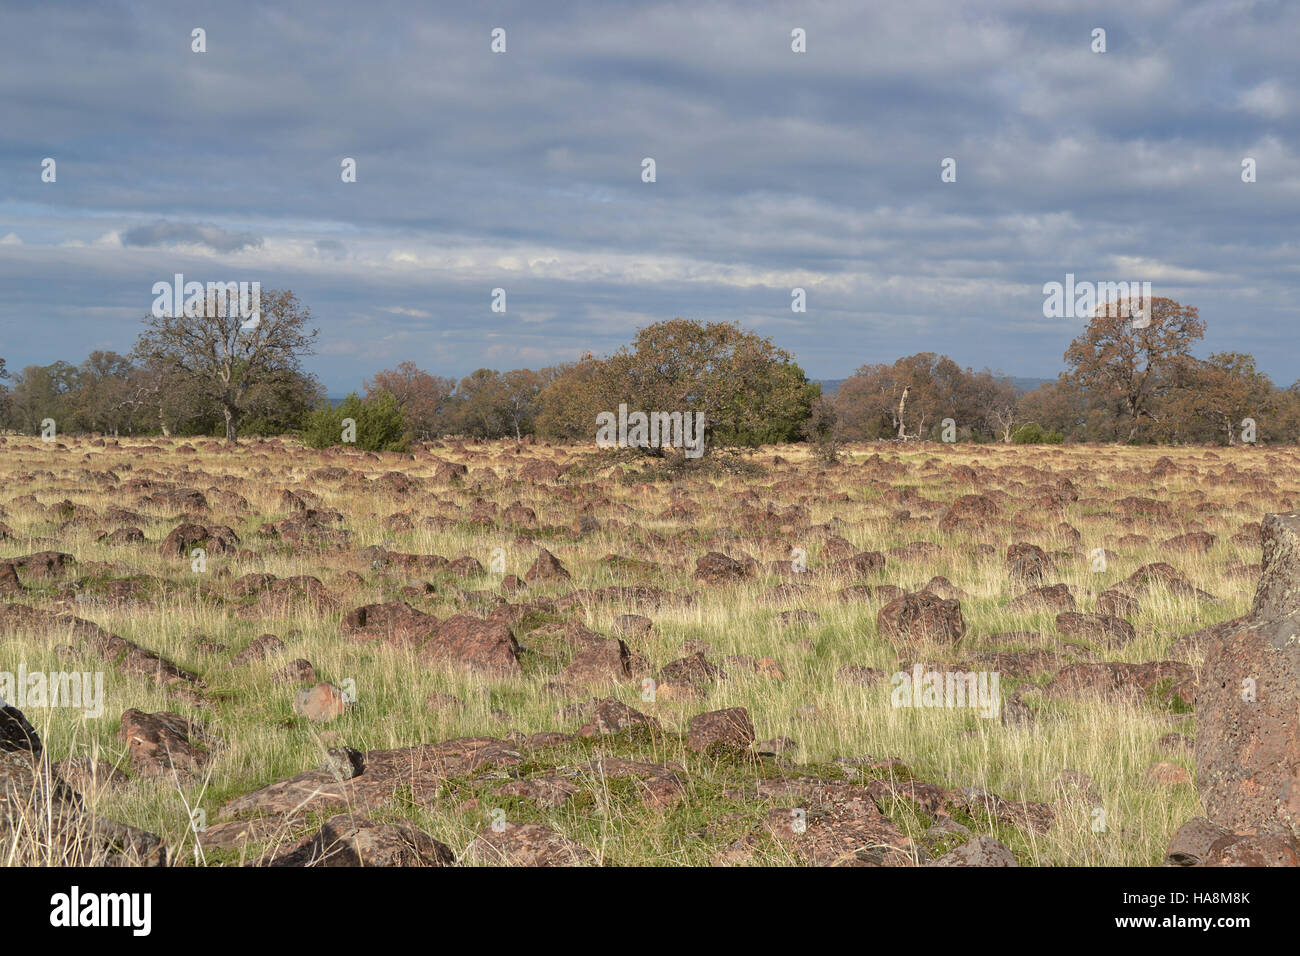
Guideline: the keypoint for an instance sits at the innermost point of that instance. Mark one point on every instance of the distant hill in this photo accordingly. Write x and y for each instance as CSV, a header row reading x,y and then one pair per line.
x,y
1021,384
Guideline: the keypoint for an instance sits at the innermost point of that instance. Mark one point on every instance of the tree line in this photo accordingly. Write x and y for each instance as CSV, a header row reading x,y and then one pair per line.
x,y
213,374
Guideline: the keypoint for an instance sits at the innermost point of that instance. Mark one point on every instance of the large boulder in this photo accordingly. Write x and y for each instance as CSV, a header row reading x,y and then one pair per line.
x,y
914,618
1247,740
730,728
346,840
476,643
528,844
546,567
393,622
1028,563
718,568
163,743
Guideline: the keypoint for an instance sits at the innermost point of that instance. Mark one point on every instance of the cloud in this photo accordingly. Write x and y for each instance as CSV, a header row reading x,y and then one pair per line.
x,y
164,233
775,170
1268,99
329,249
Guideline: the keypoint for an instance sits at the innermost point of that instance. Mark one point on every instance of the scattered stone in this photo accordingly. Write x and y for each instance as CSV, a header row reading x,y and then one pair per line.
x,y
530,844
920,617
321,703
162,743
346,840
546,567
981,851
730,728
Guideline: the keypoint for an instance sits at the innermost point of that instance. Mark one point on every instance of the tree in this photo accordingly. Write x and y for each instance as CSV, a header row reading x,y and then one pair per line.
x,y
986,404
220,358
1059,406
277,403
41,392
479,405
4,395
911,397
1285,424
572,397
375,424
1219,394
162,400
520,389
425,400
750,392
102,395
820,430
1135,367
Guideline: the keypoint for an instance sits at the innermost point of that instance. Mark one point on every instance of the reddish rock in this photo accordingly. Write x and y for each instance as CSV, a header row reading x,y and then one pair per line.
x,y
859,675
476,643
540,471
297,671
717,568
531,844
968,511
1164,773
43,564
633,625
162,742
1247,739
1028,563
394,622
259,650
600,660
836,548
611,716
694,670
981,851
1056,597
346,840
860,565
1195,542
918,617
321,703
1115,602
1121,681
9,583
546,567
729,728
1095,629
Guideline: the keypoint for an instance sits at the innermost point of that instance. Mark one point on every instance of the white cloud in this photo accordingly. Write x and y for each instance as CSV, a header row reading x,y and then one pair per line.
x,y
1268,99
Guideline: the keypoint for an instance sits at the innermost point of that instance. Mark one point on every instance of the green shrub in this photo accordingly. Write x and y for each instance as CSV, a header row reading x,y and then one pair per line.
x,y
1033,434
380,425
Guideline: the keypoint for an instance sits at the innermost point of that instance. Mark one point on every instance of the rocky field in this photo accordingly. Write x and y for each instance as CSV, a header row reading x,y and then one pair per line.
x,y
494,653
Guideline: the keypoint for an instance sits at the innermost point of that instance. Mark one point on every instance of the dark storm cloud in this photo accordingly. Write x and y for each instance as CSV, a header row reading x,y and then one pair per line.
x,y
163,233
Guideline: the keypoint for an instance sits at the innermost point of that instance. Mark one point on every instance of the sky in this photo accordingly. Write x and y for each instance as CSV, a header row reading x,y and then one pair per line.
x,y
774,169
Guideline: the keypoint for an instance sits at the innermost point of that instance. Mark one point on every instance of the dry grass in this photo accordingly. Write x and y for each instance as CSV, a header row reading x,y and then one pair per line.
x,y
265,741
